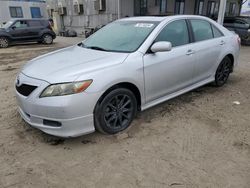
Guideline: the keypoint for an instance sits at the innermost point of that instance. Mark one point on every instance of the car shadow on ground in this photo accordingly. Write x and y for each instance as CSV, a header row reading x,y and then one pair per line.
x,y
31,45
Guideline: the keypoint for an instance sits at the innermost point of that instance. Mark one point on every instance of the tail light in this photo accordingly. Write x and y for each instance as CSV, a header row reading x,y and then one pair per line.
x,y
50,26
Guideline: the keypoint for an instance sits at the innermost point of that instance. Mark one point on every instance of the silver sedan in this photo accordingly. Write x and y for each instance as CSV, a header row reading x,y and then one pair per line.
x,y
128,66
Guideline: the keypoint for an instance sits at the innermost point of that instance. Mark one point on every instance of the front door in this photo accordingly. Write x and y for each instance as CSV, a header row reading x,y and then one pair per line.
x,y
19,30
169,72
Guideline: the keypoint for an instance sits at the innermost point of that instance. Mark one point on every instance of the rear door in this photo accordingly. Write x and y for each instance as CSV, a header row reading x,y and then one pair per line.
x,y
168,72
208,44
34,28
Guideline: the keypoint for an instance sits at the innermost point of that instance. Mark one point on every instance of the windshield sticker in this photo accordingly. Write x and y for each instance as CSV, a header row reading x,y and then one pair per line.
x,y
147,25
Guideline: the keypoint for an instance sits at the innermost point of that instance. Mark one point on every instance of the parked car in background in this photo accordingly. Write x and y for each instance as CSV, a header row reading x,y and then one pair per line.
x,y
26,30
91,31
127,66
241,26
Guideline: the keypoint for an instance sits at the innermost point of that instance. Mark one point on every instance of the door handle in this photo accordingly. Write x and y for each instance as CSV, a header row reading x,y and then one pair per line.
x,y
190,52
222,43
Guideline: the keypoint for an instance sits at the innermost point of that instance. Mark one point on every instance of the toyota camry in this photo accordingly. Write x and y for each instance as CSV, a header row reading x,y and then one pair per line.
x,y
127,66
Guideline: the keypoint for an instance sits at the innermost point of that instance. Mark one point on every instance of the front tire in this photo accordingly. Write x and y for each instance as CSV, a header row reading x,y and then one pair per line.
x,y
116,111
223,71
4,42
47,39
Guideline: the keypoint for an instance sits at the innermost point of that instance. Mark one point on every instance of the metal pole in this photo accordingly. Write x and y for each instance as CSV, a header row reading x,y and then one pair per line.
x,y
119,9
222,10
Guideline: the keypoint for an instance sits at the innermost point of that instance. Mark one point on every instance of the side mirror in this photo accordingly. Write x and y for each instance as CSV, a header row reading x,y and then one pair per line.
x,y
161,47
13,27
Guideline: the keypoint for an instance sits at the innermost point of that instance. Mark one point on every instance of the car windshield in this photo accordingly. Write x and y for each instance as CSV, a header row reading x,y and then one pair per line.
x,y
121,36
8,24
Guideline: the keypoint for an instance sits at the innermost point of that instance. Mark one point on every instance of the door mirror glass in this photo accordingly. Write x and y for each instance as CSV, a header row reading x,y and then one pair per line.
x,y
161,47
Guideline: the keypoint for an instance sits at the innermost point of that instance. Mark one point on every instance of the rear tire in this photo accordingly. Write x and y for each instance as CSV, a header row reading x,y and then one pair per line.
x,y
116,111
223,71
4,42
47,39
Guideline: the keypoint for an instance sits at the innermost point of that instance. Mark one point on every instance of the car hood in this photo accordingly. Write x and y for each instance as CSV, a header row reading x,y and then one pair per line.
x,y
67,64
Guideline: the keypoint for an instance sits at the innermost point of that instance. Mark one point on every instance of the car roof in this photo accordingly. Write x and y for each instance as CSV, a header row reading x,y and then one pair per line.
x,y
33,19
160,18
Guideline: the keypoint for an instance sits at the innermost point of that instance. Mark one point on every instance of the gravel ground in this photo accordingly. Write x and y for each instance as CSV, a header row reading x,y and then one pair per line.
x,y
200,139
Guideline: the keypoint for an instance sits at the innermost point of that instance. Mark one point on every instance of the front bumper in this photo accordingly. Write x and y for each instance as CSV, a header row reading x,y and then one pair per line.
x,y
73,113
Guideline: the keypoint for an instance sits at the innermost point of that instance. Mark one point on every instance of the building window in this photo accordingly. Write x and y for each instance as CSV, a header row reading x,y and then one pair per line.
x,y
16,12
163,6
144,7
211,8
199,5
35,12
141,7
232,8
179,6
157,2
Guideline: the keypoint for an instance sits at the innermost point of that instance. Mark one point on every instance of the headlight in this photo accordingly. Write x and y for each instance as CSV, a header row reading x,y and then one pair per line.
x,y
66,88
248,30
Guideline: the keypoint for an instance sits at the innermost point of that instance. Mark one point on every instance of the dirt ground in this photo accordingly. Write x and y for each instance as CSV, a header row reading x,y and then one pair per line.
x,y
200,139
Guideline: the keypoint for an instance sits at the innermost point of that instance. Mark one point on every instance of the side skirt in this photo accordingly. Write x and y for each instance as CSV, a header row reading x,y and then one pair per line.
x,y
173,95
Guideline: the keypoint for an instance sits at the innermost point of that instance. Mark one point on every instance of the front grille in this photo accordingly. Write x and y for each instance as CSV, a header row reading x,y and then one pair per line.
x,y
25,89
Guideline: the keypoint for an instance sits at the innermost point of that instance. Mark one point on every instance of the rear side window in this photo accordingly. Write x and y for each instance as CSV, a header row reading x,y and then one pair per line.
x,y
34,23
175,32
240,22
202,30
217,32
45,22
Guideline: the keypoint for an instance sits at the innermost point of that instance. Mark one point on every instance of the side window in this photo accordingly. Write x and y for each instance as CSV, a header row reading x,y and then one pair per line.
x,y
217,32
20,24
202,30
175,32
240,24
33,23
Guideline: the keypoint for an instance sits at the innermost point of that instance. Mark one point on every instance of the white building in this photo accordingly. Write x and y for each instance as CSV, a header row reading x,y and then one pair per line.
x,y
82,15
11,9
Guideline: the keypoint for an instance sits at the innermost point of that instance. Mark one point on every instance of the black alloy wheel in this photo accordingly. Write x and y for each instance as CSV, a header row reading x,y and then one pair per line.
x,y
47,39
223,72
116,111
4,42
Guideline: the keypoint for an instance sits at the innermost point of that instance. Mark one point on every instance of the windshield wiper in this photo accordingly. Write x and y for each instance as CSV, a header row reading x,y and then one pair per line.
x,y
92,47
96,48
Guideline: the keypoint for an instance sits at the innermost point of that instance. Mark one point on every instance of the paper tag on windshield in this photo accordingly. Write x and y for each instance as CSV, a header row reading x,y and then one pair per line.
x,y
147,25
